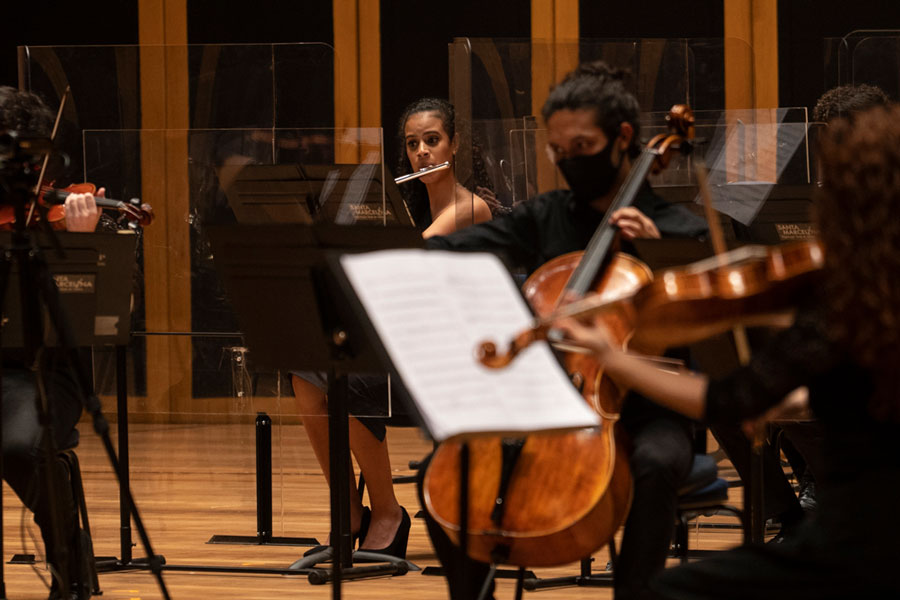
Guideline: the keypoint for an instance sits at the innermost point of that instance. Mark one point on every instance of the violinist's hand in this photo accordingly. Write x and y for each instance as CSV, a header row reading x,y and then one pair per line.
x,y
795,406
82,213
634,224
592,337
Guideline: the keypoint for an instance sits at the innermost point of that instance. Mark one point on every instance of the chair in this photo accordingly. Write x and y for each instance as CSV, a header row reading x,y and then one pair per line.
x,y
85,550
703,493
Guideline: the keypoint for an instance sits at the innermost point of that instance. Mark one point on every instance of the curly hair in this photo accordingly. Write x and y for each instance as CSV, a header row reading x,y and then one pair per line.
x,y
847,100
856,212
597,86
415,193
24,112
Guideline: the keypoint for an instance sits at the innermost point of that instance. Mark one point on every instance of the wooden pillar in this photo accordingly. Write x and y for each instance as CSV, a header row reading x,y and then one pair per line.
x,y
751,83
751,53
357,78
162,28
554,52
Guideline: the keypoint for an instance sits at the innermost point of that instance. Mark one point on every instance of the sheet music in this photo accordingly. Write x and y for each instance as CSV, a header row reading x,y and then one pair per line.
x,y
431,309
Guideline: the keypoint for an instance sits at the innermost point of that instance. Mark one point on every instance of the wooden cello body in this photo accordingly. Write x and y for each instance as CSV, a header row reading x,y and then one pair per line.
x,y
571,491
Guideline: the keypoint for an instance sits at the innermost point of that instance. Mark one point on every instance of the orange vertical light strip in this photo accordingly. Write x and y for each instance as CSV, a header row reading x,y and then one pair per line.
x,y
765,53
162,24
751,82
346,79
554,52
566,35
542,62
370,74
738,54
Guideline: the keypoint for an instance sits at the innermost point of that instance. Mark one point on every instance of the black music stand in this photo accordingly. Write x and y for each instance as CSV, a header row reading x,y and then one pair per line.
x,y
786,216
94,279
305,193
294,316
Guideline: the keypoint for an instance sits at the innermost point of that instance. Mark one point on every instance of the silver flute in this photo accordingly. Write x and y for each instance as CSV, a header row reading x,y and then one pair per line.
x,y
422,171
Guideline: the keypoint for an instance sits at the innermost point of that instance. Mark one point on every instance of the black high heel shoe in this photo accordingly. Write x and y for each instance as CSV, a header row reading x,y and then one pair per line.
x,y
359,535
397,547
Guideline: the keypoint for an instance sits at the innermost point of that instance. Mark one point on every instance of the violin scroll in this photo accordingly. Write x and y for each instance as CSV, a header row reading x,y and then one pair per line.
x,y
487,354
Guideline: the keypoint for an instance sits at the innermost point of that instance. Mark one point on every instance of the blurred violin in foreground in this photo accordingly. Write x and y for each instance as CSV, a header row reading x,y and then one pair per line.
x,y
753,285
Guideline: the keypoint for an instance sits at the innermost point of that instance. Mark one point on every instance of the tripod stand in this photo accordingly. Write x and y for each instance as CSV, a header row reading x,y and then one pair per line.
x,y
39,298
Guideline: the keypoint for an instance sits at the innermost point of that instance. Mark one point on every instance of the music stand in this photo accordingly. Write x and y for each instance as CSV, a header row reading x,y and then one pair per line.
x,y
294,316
786,216
344,194
95,284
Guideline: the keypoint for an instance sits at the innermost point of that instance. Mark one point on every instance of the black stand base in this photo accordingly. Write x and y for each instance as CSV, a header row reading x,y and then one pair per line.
x,y
388,566
264,535
108,564
585,578
323,576
22,559
259,540
500,574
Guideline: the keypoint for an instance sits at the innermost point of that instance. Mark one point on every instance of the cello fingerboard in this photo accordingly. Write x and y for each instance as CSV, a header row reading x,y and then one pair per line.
x,y
594,255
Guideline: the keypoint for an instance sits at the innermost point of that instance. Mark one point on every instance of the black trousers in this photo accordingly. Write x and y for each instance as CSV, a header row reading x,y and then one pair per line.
x,y
808,438
661,458
24,458
779,498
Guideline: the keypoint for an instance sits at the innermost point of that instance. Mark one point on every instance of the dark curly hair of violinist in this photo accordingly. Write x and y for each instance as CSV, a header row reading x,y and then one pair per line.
x,y
847,100
597,86
856,212
24,112
414,192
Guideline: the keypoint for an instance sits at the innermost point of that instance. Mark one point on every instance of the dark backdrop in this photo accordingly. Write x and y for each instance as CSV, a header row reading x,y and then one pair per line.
x,y
414,56
805,70
651,18
57,22
414,48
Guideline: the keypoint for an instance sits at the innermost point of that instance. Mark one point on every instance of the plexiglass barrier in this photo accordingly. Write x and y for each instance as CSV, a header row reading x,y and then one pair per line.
x,y
189,362
746,152
864,57
497,84
231,176
257,145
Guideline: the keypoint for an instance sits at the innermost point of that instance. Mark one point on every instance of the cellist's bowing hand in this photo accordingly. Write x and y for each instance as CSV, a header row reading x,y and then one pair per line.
x,y
594,338
794,407
634,224
82,213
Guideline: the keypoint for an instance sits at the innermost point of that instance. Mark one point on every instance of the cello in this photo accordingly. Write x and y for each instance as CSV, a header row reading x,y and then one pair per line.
x,y
551,499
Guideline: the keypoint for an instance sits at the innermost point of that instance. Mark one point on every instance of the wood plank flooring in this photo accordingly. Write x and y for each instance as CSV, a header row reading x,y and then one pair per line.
x,y
193,481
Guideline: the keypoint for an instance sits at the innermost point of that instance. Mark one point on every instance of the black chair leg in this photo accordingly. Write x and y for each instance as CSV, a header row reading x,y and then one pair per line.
x,y
85,549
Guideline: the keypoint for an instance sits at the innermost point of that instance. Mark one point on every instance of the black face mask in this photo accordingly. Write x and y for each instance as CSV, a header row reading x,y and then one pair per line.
x,y
590,177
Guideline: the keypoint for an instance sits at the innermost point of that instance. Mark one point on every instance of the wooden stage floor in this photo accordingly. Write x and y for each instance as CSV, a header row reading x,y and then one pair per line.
x,y
194,481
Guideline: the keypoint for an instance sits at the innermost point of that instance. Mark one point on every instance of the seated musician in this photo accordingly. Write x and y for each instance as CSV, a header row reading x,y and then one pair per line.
x,y
439,204
802,441
844,346
23,455
593,137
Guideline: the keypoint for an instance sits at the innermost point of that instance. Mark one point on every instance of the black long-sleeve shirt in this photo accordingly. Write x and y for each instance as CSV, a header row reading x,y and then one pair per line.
x,y
839,393
553,224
